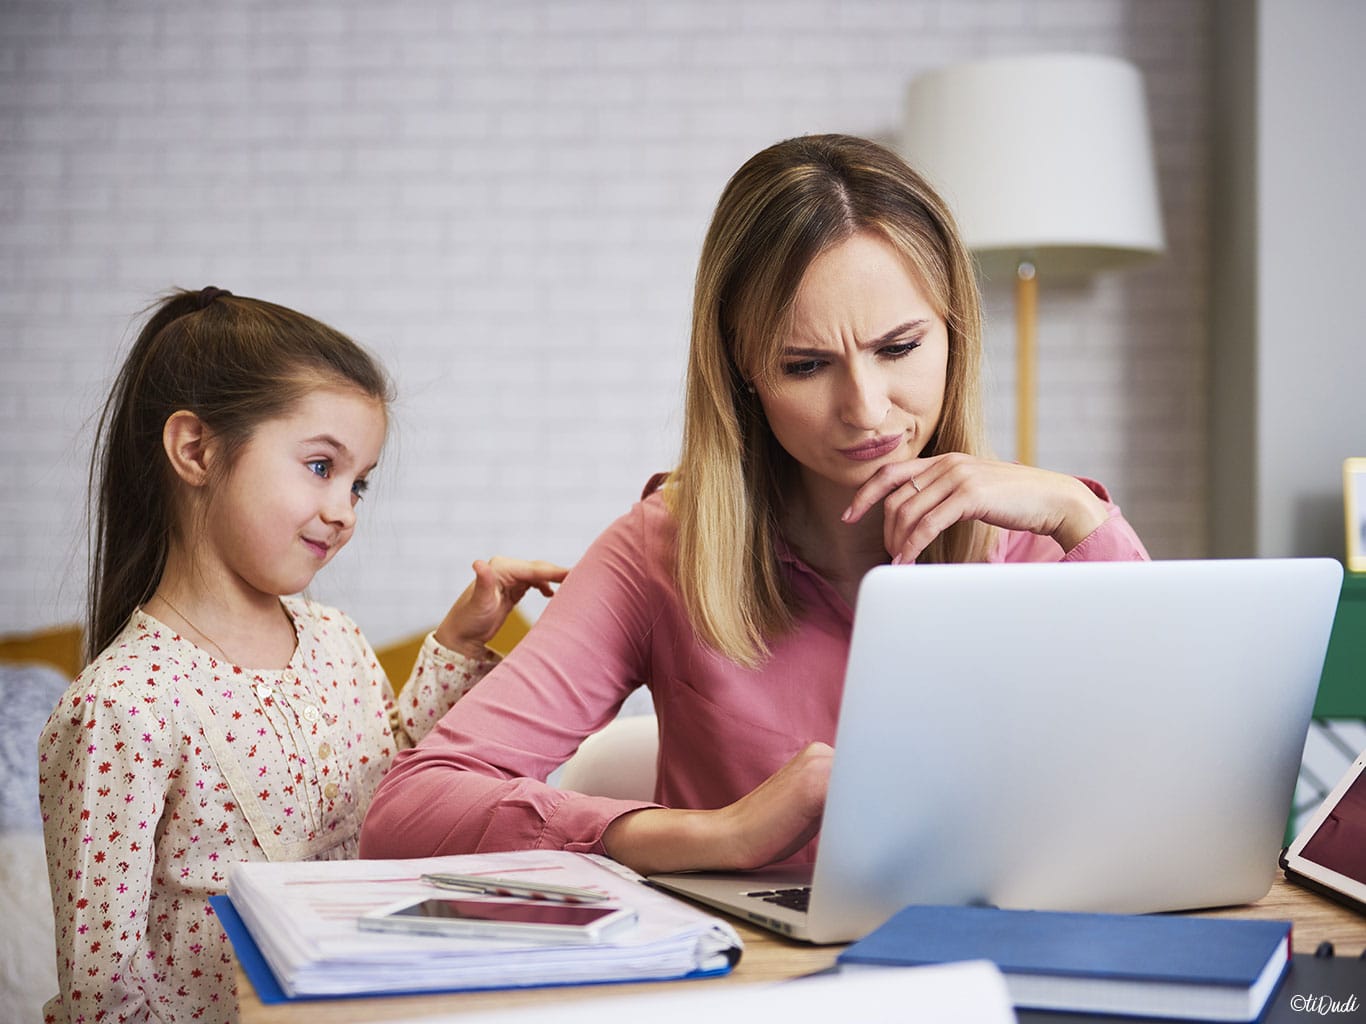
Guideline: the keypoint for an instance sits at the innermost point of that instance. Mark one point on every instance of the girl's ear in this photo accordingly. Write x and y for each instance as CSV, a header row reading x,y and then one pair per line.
x,y
187,443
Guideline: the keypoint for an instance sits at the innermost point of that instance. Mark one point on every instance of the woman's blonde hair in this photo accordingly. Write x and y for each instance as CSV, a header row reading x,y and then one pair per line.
x,y
784,207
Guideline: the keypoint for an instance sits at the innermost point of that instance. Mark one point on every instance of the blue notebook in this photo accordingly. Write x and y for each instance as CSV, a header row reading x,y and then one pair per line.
x,y
268,989
1172,966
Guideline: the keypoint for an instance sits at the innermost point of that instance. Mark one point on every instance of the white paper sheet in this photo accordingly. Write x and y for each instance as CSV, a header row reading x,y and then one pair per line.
x,y
973,992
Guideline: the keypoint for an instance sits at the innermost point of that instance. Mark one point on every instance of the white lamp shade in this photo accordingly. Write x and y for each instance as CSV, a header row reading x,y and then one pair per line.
x,y
1045,158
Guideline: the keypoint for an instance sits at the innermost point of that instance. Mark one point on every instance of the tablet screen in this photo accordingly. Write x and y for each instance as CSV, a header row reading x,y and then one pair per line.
x,y
1339,843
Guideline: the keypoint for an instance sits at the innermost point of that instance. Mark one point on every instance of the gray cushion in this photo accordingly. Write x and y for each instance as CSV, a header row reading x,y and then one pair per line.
x,y
28,693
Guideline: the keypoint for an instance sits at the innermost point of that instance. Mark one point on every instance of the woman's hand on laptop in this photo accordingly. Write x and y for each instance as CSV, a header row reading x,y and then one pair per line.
x,y
767,825
922,498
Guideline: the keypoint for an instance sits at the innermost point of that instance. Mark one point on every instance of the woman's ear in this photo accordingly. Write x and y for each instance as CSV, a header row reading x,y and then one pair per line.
x,y
187,443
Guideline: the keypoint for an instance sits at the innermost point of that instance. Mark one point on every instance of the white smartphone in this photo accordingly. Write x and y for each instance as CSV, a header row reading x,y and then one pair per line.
x,y
540,921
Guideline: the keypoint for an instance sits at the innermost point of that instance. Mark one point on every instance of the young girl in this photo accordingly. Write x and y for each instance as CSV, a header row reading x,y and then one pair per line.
x,y
223,720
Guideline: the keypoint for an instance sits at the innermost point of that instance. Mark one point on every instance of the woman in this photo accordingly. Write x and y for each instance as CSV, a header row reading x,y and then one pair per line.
x,y
833,423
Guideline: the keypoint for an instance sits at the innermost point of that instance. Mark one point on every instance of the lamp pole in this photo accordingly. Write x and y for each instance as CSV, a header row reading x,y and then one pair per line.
x,y
1026,359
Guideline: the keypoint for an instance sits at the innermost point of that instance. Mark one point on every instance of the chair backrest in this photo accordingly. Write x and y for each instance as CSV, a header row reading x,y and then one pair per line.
x,y
59,646
397,658
618,761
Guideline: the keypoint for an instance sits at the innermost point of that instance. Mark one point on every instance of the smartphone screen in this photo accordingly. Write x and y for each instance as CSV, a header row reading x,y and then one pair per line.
x,y
528,912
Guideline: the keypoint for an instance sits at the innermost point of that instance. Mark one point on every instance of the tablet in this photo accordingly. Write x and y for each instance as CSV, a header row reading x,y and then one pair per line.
x,y
1329,854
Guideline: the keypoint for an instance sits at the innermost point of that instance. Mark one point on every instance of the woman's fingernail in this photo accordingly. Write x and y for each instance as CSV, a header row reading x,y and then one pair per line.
x,y
896,559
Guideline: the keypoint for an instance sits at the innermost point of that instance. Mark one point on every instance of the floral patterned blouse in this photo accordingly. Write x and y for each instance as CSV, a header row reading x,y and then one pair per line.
x,y
162,765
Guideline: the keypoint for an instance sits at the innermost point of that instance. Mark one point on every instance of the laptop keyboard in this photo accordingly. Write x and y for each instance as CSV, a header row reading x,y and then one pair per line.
x,y
798,898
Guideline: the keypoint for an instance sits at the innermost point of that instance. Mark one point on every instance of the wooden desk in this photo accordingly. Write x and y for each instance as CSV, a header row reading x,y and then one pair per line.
x,y
768,958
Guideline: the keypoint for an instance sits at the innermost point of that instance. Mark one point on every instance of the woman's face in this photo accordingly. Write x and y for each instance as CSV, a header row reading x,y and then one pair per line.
x,y
861,379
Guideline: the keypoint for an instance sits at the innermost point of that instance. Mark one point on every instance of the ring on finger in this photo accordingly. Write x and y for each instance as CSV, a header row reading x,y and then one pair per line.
x,y
914,484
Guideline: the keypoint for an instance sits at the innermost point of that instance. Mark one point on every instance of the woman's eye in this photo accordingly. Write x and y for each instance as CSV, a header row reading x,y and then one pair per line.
x,y
319,467
803,368
359,488
900,349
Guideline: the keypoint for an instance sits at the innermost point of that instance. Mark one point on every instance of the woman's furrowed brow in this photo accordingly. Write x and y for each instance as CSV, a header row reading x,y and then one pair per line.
x,y
897,332
900,330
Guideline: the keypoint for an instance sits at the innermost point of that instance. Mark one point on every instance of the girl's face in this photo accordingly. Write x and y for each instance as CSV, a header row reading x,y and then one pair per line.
x,y
861,380
288,504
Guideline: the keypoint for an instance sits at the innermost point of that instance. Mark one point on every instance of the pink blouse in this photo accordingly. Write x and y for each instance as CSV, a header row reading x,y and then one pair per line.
x,y
162,766
476,782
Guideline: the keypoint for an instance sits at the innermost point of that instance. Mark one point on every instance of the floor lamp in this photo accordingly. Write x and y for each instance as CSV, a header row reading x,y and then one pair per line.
x,y
1047,164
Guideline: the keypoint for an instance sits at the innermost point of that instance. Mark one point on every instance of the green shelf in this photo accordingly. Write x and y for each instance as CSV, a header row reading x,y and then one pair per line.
x,y
1342,688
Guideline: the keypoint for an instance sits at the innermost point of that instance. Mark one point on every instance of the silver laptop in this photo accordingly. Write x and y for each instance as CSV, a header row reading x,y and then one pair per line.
x,y
1120,737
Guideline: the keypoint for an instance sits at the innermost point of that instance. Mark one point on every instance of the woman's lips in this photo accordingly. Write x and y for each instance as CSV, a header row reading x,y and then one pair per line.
x,y
317,547
874,449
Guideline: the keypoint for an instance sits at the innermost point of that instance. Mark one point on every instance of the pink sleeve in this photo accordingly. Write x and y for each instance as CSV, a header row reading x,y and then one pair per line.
x,y
1112,541
474,783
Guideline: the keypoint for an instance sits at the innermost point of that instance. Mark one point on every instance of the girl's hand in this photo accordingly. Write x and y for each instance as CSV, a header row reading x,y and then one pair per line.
x,y
772,822
921,498
480,611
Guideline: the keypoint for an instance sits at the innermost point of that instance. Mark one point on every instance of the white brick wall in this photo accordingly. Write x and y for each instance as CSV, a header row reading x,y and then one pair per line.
x,y
505,200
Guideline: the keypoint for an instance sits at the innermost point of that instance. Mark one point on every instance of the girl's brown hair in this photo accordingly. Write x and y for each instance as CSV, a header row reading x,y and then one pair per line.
x,y
785,206
233,362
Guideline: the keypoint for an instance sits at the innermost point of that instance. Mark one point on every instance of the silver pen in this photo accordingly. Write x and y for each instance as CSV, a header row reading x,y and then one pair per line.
x,y
491,886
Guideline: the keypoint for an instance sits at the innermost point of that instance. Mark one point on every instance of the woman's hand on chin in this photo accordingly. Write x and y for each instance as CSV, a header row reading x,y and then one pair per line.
x,y
922,498
770,823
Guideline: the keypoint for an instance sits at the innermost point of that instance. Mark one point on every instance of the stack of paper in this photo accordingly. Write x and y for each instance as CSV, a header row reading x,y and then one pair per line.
x,y
302,917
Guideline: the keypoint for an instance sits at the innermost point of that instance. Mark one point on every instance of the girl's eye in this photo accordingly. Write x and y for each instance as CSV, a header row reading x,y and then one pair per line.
x,y
803,368
359,488
319,467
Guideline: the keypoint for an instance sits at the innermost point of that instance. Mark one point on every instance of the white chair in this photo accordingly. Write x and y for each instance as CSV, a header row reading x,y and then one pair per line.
x,y
618,761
